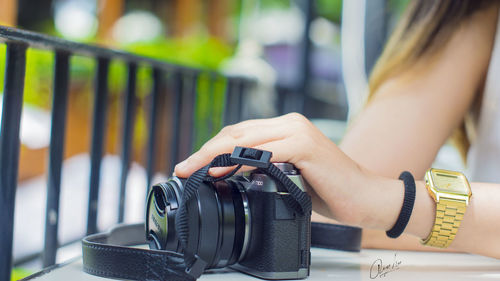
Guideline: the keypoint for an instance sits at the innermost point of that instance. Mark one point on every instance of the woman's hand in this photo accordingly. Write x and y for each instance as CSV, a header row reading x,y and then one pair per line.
x,y
340,188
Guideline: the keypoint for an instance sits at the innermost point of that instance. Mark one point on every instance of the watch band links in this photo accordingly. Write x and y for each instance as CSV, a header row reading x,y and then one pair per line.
x,y
449,215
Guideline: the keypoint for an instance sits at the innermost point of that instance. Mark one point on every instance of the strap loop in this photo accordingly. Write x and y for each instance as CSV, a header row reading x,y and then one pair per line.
x,y
197,267
251,157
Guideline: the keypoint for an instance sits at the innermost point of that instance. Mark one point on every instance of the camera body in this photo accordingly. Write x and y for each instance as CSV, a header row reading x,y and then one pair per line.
x,y
279,246
255,230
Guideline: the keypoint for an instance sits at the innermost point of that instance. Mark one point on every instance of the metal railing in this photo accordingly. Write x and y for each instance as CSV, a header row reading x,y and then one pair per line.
x,y
183,88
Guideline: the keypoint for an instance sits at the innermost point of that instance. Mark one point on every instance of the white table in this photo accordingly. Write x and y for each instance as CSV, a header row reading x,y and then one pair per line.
x,y
336,265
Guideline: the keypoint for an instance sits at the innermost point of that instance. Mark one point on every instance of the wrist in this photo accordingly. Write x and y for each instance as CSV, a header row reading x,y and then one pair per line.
x,y
369,201
382,202
422,220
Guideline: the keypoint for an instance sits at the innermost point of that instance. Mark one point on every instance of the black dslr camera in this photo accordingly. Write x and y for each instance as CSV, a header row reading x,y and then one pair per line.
x,y
243,222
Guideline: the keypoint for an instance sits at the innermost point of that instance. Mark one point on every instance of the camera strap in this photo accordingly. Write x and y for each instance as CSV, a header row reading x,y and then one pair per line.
x,y
112,254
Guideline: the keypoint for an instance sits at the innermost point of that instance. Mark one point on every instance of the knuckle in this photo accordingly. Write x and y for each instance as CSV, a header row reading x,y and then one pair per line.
x,y
300,123
297,117
233,131
226,130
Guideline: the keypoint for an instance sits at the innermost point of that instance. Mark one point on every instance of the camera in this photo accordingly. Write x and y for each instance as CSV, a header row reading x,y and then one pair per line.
x,y
242,222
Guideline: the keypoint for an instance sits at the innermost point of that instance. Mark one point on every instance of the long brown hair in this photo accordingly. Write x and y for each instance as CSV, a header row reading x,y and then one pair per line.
x,y
423,29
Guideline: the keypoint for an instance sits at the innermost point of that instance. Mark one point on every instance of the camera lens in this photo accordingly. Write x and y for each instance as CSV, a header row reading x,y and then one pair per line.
x,y
219,217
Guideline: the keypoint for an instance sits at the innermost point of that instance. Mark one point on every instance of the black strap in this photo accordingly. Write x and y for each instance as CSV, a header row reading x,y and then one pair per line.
x,y
110,254
335,237
407,208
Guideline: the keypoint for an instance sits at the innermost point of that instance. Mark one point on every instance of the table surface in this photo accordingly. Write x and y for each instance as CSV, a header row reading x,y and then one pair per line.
x,y
337,265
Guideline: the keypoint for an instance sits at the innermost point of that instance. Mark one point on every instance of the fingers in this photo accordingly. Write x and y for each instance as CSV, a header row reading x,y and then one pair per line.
x,y
262,133
282,150
249,134
221,171
280,154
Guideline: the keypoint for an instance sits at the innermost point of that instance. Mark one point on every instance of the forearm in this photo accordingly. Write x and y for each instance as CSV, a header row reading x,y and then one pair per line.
x,y
346,191
477,234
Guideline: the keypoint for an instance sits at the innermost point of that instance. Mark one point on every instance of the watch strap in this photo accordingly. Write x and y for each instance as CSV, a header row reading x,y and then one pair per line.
x,y
449,215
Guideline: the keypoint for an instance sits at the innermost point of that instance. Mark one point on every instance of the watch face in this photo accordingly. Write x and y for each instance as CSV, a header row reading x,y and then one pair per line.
x,y
448,181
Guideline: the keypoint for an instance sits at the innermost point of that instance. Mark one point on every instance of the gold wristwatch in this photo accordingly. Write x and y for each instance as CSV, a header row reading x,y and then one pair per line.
x,y
452,192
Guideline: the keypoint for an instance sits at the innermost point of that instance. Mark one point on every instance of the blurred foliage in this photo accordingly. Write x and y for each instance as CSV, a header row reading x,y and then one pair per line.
x,y
38,77
205,53
395,9
209,107
202,52
19,273
398,6
330,9
275,4
3,49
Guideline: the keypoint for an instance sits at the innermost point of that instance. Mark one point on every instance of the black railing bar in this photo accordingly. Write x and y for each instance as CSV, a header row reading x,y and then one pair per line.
x,y
43,41
155,103
233,106
234,98
176,86
56,150
228,99
210,121
193,92
9,149
241,90
98,140
127,131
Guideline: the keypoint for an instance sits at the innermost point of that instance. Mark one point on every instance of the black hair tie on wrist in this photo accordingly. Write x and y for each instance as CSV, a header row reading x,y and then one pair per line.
x,y
408,202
